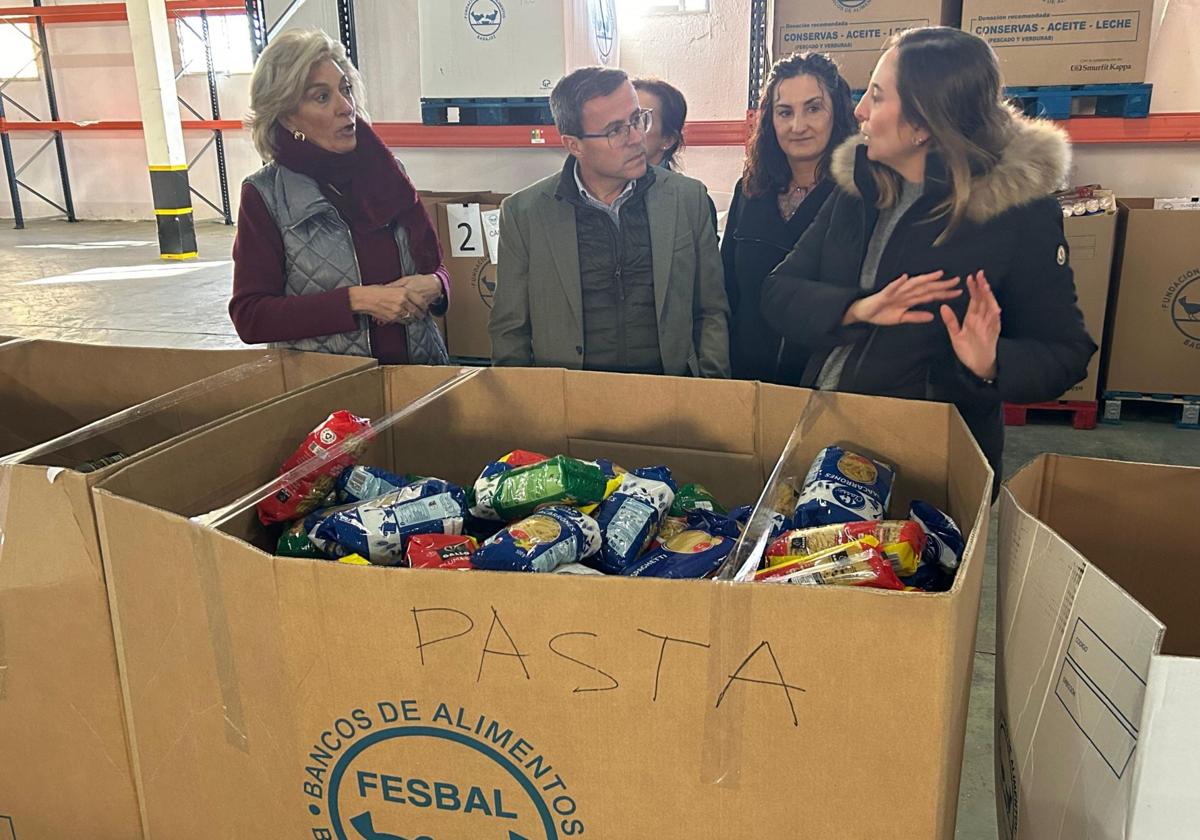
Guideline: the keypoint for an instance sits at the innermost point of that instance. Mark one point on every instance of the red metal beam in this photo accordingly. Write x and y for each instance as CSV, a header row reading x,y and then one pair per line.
x,y
1157,128
416,135
7,126
113,12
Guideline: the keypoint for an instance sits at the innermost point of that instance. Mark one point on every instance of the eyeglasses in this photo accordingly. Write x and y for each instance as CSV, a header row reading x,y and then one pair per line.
x,y
619,135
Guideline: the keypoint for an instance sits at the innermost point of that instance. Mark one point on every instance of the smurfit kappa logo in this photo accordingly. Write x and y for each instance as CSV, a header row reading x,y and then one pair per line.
x,y
484,17
404,771
604,24
1184,306
852,5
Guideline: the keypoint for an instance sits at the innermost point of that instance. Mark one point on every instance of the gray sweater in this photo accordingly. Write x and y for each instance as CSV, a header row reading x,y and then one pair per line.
x,y
889,218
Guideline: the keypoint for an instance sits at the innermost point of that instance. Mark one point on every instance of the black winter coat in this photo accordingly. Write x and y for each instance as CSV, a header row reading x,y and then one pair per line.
x,y
757,238
1013,232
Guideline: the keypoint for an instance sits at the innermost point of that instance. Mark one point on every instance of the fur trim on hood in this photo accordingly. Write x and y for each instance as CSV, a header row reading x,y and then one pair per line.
x,y
1033,165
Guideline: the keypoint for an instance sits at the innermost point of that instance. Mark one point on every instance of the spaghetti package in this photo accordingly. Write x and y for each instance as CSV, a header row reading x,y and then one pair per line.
x,y
901,542
857,563
629,518
695,552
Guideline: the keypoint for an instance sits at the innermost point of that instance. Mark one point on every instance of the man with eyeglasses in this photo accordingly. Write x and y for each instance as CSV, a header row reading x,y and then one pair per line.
x,y
610,264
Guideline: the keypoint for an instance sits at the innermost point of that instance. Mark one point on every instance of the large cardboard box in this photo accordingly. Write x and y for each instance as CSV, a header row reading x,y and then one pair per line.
x,y
1066,42
853,32
65,766
471,263
296,698
1098,675
497,49
1154,343
1091,241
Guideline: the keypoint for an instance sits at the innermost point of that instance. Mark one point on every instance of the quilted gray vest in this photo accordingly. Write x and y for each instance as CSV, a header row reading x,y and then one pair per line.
x,y
319,254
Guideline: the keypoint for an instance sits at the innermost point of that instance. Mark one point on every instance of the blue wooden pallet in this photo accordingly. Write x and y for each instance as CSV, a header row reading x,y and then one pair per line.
x,y
517,110
1054,101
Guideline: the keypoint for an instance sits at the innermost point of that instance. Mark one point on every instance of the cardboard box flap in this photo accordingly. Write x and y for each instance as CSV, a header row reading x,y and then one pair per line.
x,y
1167,774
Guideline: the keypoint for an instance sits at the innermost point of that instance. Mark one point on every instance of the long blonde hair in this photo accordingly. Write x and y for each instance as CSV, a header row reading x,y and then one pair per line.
x,y
278,83
949,85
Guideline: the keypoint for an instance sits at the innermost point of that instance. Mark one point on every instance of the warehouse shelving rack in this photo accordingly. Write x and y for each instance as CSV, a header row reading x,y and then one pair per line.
x,y
41,17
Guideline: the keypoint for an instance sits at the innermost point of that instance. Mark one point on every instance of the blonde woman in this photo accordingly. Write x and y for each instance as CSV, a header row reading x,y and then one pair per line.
x,y
334,252
939,268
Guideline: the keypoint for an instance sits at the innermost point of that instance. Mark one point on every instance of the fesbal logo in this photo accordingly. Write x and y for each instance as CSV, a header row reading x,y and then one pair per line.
x,y
852,5
1182,302
485,17
394,770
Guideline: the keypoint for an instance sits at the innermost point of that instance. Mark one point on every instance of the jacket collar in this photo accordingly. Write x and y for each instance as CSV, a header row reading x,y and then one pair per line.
x,y
1033,164
568,189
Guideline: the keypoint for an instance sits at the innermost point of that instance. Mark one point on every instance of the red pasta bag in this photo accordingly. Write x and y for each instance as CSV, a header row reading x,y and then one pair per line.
x,y
305,494
440,551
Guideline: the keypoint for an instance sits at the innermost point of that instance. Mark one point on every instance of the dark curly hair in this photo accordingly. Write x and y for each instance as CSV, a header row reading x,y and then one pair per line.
x,y
672,116
766,171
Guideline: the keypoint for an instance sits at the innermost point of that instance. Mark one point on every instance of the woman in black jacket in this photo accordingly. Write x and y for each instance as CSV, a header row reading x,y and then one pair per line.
x,y
804,114
939,268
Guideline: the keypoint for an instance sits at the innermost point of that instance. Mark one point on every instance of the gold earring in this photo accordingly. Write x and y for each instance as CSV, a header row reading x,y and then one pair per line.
x,y
299,135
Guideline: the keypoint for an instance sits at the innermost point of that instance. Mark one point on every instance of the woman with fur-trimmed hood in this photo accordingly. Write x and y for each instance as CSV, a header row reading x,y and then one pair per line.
x,y
939,269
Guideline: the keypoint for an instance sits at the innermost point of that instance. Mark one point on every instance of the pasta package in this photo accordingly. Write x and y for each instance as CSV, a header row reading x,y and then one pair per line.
x,y
857,563
440,551
559,481
305,494
378,529
629,518
358,484
843,486
695,552
542,542
484,490
900,541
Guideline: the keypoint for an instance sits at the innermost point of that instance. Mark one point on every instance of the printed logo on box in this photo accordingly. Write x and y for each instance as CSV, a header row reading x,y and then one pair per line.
x,y
604,25
852,5
1182,302
484,281
1007,774
401,771
484,17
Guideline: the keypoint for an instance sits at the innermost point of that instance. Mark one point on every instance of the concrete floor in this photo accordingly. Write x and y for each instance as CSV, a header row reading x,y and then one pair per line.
x,y
103,282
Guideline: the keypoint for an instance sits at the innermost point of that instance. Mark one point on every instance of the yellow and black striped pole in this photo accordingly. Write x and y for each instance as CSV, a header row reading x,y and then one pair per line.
x,y
173,212
162,127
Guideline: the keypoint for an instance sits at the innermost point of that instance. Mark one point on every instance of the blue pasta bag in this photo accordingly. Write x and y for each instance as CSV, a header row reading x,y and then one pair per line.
x,y
779,522
945,544
693,553
843,486
541,542
378,529
630,517
361,484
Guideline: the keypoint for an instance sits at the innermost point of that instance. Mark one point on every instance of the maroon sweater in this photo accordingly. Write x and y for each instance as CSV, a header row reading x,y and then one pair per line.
x,y
371,193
